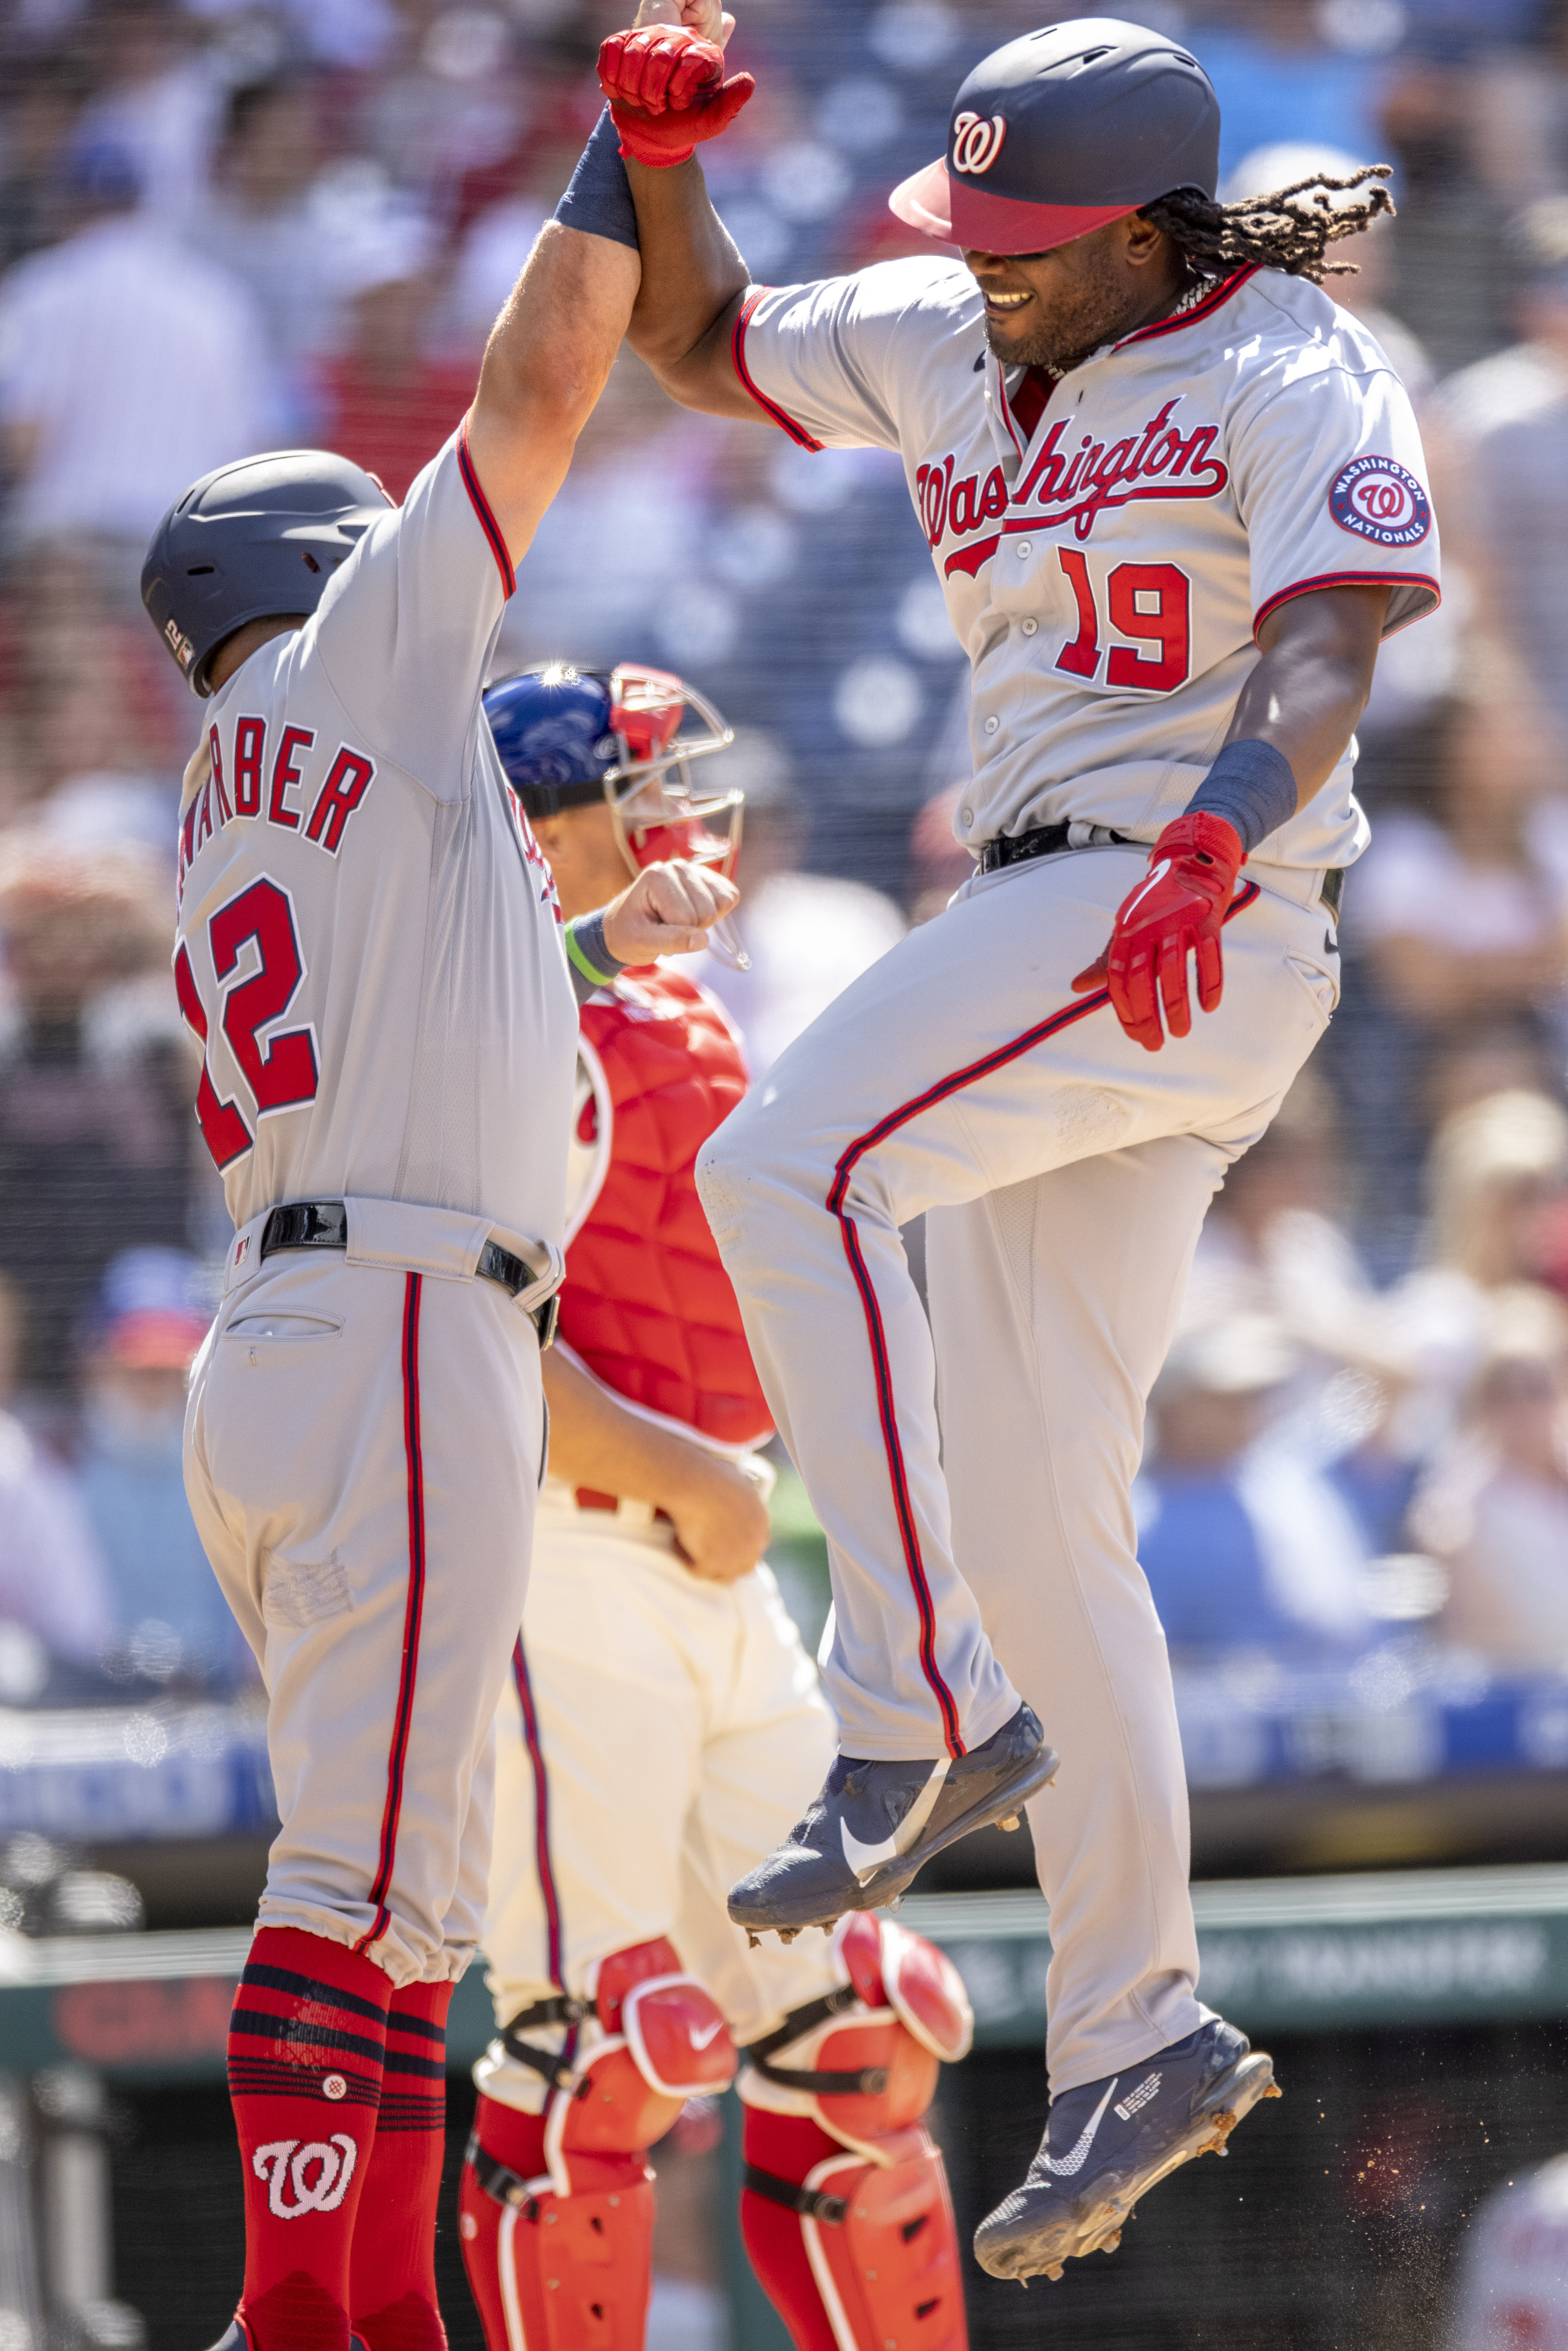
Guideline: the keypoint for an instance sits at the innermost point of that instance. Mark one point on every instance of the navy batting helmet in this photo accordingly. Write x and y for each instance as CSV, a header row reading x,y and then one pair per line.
x,y
250,540
1063,130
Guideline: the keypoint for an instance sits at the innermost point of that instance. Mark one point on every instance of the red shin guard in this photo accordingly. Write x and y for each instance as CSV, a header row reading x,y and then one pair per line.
x,y
393,2270
307,2044
555,2272
876,2262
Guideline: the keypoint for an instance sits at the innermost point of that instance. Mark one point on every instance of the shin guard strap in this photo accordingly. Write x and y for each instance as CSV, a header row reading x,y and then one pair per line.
x,y
870,2082
809,2202
498,2181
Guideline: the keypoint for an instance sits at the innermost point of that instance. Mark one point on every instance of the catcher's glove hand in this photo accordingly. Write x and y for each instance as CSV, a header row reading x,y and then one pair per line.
x,y
1180,905
667,92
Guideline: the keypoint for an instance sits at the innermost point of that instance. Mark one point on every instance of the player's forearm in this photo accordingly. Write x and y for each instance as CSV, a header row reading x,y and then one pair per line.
x,y
1307,694
596,1442
548,360
693,281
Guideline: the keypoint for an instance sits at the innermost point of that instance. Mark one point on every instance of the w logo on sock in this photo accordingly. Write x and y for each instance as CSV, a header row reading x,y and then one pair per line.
x,y
285,2164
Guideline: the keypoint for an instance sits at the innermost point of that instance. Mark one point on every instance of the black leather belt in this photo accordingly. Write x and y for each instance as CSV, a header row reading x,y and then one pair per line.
x,y
1044,840
324,1224
1051,839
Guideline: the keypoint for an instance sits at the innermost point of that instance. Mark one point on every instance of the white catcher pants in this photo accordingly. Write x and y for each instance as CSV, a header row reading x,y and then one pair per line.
x,y
678,1733
990,1552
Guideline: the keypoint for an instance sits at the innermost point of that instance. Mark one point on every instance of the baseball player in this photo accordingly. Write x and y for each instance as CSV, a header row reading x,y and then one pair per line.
x,y
1175,498
370,951
662,1719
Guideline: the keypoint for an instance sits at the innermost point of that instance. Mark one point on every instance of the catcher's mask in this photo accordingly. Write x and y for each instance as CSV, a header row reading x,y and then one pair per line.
x,y
569,738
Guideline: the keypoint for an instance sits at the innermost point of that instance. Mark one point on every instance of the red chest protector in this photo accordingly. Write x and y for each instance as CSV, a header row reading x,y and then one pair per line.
x,y
647,1305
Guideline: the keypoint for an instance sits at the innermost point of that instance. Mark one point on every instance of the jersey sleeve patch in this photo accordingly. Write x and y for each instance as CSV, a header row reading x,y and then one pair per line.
x,y
1380,500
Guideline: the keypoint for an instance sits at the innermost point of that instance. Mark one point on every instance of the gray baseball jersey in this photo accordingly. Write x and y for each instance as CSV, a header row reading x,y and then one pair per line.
x,y
1107,565
369,943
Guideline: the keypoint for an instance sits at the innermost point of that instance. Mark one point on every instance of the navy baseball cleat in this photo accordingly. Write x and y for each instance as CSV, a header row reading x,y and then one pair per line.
x,y
1107,2144
875,1825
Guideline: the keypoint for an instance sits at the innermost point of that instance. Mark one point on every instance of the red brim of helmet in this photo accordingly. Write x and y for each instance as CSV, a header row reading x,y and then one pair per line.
x,y
954,213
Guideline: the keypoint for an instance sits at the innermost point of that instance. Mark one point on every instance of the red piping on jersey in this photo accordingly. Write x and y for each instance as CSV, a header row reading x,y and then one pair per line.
x,y
1353,579
413,1611
1021,446
1204,309
780,416
886,1409
543,1862
487,522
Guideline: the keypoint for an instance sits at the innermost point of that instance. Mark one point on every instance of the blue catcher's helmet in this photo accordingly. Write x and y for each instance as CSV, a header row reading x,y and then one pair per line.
x,y
571,737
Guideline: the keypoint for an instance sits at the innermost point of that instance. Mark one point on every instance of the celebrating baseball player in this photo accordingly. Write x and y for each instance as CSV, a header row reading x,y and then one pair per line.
x,y
663,1719
371,954
1175,498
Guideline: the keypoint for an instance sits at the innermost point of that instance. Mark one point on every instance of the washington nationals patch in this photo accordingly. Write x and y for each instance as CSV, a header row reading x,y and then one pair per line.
x,y
1379,500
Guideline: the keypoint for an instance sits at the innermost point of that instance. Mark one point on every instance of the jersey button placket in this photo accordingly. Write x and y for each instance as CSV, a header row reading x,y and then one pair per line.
x,y
992,723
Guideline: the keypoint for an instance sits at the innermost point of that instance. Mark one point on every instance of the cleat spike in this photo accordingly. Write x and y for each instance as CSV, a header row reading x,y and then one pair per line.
x,y
1274,2091
754,1942
1111,2244
1011,1824
788,1934
1054,2274
896,1904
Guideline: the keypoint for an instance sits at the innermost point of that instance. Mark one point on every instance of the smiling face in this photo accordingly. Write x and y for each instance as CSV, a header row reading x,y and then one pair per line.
x,y
1052,309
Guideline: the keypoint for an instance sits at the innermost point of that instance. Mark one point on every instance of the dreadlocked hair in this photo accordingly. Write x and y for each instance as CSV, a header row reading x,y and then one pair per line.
x,y
1289,229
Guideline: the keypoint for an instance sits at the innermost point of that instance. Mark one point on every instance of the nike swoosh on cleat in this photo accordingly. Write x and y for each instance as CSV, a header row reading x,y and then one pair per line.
x,y
1074,2162
862,1858
700,2039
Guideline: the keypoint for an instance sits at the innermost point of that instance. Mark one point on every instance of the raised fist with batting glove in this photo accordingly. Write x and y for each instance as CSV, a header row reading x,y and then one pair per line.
x,y
1179,907
665,84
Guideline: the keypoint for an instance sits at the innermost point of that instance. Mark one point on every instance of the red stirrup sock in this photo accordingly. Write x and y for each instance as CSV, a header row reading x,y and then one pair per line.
x,y
307,2041
394,2302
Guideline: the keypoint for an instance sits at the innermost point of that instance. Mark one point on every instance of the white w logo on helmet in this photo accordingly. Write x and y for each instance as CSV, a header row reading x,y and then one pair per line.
x,y
976,143
285,2163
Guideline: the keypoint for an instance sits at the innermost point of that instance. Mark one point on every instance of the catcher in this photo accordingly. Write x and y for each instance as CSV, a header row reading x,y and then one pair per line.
x,y
664,1721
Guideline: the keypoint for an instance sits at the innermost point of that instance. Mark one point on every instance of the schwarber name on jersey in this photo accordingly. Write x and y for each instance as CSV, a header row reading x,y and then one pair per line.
x,y
368,936
1107,572
647,1307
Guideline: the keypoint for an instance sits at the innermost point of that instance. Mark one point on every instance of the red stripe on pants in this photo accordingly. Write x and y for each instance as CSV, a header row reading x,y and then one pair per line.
x,y
413,1611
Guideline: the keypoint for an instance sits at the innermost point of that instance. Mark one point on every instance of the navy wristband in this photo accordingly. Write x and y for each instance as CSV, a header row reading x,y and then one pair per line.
x,y
1252,786
599,199
590,961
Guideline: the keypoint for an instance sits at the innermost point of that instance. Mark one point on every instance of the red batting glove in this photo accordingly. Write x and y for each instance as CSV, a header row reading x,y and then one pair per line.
x,y
667,92
1180,906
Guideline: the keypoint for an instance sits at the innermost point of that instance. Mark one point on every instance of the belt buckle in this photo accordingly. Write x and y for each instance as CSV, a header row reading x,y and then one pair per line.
x,y
546,1321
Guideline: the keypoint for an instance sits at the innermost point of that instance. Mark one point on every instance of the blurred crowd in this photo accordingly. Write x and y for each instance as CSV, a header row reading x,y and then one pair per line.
x,y
233,225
